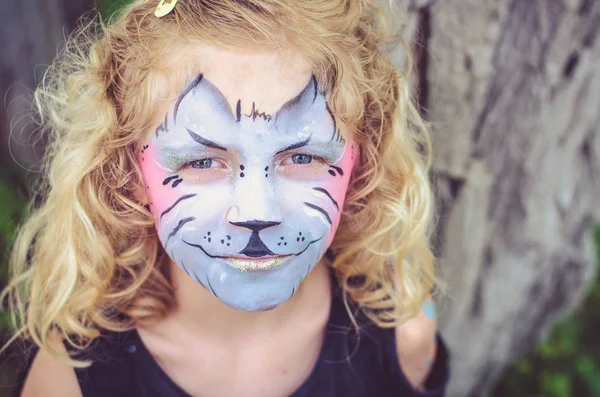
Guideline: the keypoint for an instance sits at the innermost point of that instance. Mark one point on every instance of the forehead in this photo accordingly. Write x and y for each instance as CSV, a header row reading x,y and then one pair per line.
x,y
267,79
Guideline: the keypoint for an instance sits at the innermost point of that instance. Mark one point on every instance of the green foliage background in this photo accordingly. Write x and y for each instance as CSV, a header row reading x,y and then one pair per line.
x,y
567,364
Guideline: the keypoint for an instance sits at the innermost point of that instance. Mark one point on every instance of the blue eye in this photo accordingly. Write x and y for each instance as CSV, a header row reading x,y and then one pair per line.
x,y
302,158
204,163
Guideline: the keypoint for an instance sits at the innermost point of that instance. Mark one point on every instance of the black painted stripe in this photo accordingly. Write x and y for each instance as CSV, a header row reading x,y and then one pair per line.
x,y
210,286
162,127
325,192
314,81
169,179
321,210
305,248
201,249
179,226
204,141
180,199
333,119
338,169
238,111
185,269
190,87
295,146
198,279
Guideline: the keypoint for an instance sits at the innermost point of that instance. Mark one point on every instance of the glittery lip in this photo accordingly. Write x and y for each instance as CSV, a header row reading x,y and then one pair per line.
x,y
249,265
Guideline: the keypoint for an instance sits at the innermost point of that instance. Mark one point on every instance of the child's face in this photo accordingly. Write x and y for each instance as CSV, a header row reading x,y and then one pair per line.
x,y
247,175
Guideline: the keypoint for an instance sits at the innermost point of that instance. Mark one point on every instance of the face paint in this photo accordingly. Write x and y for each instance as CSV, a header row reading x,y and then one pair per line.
x,y
247,204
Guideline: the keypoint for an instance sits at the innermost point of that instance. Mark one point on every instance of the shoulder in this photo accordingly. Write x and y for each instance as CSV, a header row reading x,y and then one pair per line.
x,y
420,350
49,376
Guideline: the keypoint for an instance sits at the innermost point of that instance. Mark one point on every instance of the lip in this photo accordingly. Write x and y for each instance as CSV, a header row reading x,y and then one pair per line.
x,y
248,264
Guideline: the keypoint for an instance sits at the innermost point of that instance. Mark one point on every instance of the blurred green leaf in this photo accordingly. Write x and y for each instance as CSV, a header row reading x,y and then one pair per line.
x,y
567,363
6,323
556,385
12,206
13,209
108,8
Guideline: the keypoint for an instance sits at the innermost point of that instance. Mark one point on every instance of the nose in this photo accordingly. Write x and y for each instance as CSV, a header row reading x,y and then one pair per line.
x,y
255,203
255,226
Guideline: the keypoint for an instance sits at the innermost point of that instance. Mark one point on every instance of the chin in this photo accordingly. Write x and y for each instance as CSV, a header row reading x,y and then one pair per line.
x,y
255,302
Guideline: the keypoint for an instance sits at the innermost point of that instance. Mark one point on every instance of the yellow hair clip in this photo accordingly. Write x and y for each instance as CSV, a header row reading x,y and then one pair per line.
x,y
163,9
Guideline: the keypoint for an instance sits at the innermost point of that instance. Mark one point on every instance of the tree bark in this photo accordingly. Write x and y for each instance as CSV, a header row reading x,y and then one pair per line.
x,y
30,33
512,88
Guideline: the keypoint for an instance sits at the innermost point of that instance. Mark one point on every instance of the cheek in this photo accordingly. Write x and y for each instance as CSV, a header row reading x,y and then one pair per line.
x,y
338,186
161,185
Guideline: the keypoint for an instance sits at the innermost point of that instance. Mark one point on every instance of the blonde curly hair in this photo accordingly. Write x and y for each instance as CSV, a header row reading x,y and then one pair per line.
x,y
88,258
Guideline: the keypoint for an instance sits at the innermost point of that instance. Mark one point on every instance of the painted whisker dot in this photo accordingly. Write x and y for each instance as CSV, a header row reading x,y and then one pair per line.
x,y
222,241
242,174
208,233
209,239
298,239
302,238
242,167
228,237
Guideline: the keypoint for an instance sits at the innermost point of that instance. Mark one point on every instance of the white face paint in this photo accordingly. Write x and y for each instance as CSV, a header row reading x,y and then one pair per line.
x,y
247,204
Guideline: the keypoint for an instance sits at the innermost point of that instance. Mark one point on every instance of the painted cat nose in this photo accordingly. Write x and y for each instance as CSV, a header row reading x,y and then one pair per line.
x,y
255,226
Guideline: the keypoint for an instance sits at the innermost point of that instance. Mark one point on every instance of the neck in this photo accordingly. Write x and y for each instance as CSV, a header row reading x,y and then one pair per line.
x,y
201,313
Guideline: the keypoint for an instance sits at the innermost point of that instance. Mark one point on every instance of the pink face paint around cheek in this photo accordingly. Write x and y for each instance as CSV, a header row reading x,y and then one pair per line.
x,y
161,186
338,186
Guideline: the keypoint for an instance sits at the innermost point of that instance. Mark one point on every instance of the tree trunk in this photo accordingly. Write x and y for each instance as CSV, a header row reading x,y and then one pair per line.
x,y
30,32
512,88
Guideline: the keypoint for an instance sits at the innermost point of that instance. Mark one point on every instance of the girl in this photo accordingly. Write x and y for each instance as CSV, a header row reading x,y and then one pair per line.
x,y
236,203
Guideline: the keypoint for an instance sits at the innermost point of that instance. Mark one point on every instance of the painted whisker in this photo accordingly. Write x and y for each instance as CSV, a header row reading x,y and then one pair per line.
x,y
185,269
325,192
198,279
309,244
179,200
179,226
319,209
201,249
211,288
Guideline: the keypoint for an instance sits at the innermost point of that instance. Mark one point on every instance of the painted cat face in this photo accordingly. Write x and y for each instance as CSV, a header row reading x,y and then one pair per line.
x,y
247,203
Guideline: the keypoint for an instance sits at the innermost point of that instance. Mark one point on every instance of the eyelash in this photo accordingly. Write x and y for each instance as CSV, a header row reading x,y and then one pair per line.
x,y
312,158
190,164
289,157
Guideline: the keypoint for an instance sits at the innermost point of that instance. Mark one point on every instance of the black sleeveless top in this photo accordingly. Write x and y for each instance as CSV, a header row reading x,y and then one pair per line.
x,y
349,365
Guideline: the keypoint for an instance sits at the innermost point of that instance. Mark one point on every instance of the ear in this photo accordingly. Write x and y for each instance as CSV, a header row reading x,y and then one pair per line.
x,y
308,100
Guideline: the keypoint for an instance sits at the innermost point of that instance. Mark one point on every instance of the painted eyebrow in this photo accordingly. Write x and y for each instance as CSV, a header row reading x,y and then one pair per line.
x,y
296,145
204,141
